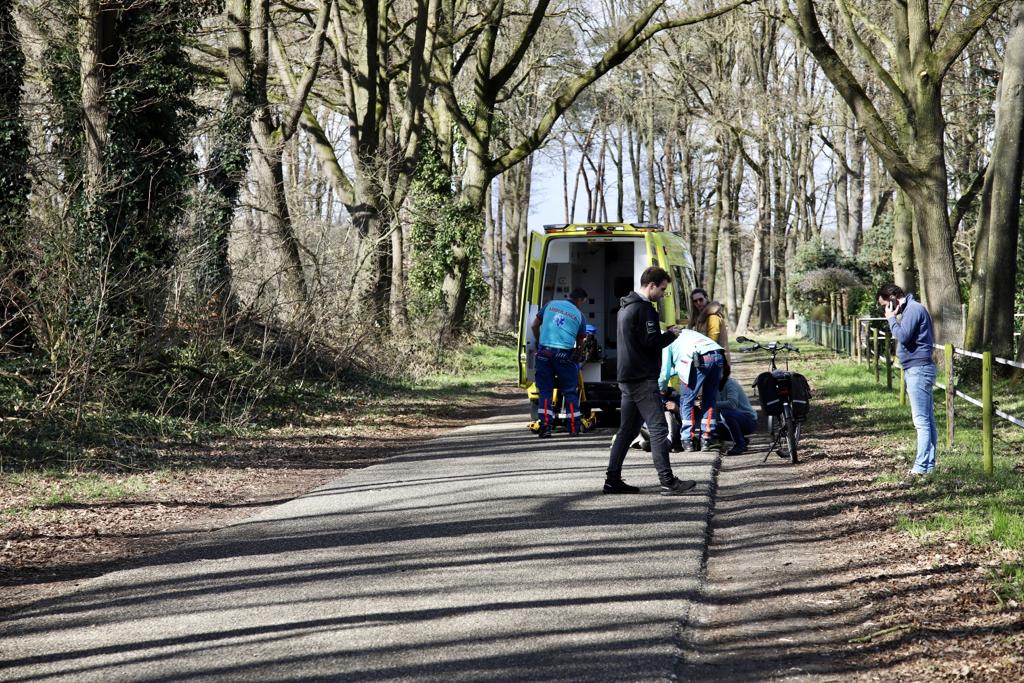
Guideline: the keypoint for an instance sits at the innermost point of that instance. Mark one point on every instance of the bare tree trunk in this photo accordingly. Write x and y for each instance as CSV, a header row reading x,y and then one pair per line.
x,y
904,271
516,200
565,181
991,321
599,177
399,311
754,277
686,210
841,177
93,29
634,165
720,216
668,182
856,156
725,248
620,189
652,190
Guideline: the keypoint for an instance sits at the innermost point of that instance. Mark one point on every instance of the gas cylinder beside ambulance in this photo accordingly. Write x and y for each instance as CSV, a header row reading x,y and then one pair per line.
x,y
606,260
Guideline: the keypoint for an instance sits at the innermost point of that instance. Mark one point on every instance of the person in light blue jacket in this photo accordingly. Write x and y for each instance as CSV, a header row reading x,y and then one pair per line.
x,y
698,362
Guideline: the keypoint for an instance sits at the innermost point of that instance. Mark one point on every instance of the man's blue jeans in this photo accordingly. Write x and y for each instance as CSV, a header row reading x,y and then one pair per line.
x,y
920,380
705,384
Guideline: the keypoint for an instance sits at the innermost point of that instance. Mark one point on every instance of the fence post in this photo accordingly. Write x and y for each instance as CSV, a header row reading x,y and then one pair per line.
x,y
856,339
888,362
986,409
950,395
903,386
878,351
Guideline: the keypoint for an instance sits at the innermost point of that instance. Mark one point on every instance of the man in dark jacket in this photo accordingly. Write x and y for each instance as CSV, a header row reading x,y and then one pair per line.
x,y
640,341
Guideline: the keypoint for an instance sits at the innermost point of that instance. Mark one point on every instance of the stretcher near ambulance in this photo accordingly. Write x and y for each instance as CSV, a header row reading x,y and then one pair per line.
x,y
606,260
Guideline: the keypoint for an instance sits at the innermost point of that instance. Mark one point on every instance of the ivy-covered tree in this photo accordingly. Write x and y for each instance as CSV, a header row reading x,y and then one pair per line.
x,y
124,83
14,182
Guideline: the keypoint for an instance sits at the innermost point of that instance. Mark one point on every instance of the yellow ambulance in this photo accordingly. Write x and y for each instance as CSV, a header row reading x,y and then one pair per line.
x,y
605,259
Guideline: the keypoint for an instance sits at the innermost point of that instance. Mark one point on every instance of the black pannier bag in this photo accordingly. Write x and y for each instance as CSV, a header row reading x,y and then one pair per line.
x,y
768,394
799,395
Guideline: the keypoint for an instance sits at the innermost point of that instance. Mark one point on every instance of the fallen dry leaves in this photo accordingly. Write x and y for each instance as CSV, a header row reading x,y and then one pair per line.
x,y
935,616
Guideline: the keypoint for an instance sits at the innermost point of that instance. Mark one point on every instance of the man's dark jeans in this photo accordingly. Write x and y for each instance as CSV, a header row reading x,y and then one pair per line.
x,y
641,402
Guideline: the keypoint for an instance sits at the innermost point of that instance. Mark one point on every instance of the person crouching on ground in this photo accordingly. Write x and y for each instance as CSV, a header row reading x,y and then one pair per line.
x,y
736,416
557,328
640,341
911,325
698,362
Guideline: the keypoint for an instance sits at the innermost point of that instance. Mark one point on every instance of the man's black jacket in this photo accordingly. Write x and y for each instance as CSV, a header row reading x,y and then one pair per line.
x,y
640,340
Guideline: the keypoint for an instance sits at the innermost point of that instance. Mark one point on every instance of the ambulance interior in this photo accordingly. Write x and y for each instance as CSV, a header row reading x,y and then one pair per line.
x,y
608,269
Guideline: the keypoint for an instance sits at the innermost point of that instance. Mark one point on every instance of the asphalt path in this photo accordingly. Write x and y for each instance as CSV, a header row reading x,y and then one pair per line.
x,y
484,555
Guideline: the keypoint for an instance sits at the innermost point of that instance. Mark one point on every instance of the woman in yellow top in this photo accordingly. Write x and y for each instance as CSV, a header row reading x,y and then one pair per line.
x,y
709,319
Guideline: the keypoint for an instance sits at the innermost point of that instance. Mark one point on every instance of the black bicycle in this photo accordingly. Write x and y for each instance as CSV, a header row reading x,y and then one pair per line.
x,y
784,398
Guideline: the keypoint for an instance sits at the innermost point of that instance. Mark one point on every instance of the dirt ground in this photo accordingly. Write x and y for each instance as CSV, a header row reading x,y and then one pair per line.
x,y
839,595
808,578
930,610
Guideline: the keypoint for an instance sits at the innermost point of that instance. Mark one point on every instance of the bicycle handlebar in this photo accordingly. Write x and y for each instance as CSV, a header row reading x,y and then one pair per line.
x,y
773,347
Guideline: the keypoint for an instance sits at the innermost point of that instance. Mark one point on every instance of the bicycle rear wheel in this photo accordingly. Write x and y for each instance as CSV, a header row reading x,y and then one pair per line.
x,y
792,434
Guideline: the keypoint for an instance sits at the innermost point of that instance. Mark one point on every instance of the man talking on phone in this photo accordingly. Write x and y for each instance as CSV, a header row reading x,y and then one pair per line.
x,y
911,325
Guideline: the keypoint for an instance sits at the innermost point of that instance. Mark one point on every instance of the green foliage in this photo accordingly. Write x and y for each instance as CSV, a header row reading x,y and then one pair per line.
x,y
875,263
1008,582
446,238
125,233
820,270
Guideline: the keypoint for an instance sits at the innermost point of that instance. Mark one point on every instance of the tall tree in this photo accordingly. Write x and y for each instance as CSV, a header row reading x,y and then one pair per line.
x,y
228,163
493,77
14,183
270,133
990,324
920,53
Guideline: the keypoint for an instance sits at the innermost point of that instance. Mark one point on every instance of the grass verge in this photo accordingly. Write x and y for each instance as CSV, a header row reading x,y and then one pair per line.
x,y
117,457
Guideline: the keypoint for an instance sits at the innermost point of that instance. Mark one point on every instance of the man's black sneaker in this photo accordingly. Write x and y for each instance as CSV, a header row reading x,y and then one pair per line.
x,y
619,486
678,487
707,445
692,446
544,432
736,450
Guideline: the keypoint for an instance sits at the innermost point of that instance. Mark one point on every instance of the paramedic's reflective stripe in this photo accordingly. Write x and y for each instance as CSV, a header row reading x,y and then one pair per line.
x,y
771,403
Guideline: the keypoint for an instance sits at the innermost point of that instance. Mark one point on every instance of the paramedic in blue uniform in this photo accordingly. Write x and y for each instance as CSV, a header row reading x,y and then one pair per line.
x,y
698,362
557,328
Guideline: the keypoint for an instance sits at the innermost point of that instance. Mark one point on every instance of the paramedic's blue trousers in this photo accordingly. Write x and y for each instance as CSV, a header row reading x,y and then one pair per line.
x,y
555,367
